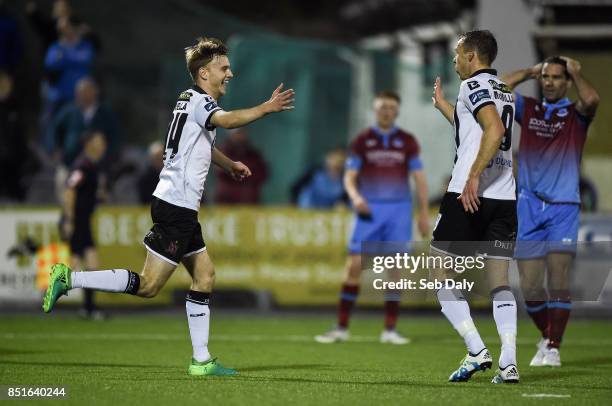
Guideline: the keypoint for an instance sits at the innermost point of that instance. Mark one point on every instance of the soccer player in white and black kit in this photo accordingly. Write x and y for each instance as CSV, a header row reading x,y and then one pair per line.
x,y
176,235
478,211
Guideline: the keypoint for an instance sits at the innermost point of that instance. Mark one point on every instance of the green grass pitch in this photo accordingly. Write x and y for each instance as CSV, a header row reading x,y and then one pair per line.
x,y
143,359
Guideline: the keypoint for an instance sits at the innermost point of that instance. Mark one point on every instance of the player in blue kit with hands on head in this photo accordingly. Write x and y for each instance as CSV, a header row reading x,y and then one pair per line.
x,y
176,235
553,133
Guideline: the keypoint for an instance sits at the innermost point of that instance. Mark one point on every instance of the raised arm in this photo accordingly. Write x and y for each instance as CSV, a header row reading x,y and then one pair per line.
x,y
440,103
279,101
493,133
588,98
513,79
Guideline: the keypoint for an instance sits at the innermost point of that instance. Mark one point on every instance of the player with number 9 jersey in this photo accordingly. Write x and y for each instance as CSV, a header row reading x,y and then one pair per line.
x,y
483,88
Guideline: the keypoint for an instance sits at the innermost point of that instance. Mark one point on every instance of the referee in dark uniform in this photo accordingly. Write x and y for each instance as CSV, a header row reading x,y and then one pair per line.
x,y
84,189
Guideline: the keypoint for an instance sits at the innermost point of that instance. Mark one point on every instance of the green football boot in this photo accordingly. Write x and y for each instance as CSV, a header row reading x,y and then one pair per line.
x,y
209,368
59,284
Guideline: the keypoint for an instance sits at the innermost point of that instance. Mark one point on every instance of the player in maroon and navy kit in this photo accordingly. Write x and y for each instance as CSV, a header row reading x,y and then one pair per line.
x,y
382,159
553,132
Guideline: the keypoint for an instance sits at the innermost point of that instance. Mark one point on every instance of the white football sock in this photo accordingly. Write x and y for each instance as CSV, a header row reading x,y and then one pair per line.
x,y
457,311
113,280
504,313
198,317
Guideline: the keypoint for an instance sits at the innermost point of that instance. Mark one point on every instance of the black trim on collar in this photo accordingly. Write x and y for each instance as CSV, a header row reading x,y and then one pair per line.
x,y
198,89
479,71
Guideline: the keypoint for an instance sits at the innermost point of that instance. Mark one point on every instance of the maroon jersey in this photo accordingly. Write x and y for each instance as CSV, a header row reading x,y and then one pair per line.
x,y
384,162
552,139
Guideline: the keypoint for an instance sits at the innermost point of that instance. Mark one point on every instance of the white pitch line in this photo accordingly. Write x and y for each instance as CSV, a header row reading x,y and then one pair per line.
x,y
544,395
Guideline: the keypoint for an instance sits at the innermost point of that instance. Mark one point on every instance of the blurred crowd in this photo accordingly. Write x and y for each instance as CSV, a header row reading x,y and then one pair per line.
x,y
72,104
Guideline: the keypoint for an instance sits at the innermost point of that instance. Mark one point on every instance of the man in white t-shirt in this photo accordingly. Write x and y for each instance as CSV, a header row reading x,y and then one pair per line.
x,y
478,211
176,235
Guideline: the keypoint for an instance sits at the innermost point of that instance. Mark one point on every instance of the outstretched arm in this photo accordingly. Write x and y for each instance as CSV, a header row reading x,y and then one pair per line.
x,y
279,101
439,102
517,77
588,98
236,169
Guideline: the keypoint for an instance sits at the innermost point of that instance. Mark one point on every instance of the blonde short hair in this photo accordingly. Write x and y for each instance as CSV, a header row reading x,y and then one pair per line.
x,y
202,53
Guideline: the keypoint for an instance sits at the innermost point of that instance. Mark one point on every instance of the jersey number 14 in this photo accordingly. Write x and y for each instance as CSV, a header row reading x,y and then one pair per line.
x,y
173,137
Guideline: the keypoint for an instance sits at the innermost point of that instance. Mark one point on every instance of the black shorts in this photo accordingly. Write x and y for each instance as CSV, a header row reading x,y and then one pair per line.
x,y
175,234
81,238
491,231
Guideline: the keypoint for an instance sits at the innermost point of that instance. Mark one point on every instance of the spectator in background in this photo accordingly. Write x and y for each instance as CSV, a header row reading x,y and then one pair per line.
x,y
240,149
13,148
67,61
147,182
84,189
86,113
74,120
11,47
46,26
322,187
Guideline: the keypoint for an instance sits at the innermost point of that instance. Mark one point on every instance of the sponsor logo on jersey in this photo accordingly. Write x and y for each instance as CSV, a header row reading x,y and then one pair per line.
x,y
500,86
181,105
398,143
385,157
562,113
479,95
500,161
210,106
545,129
185,96
473,84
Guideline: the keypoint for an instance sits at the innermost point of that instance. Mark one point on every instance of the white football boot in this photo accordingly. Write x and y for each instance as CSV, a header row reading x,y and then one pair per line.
x,y
470,364
335,335
507,375
393,337
537,359
552,358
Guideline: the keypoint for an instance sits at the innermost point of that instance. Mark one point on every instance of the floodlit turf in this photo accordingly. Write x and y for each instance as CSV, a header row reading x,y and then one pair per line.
x,y
143,360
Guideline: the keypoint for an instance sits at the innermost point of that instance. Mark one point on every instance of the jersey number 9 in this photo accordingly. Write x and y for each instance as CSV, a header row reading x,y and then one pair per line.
x,y
506,117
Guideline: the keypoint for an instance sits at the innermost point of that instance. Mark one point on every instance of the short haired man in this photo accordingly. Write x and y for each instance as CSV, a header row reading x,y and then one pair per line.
x,y
381,161
478,212
553,133
176,235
